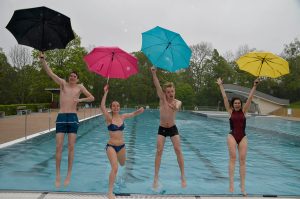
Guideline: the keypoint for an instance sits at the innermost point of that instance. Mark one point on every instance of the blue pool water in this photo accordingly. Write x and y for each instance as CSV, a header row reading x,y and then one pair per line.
x,y
273,161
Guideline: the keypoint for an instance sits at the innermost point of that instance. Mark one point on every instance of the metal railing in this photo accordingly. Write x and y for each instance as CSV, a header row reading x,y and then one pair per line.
x,y
28,123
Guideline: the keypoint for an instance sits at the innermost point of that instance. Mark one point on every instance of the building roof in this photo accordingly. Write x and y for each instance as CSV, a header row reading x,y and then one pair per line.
x,y
53,90
245,92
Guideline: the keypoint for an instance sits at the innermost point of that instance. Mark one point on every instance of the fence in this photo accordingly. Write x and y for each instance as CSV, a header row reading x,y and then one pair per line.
x,y
287,112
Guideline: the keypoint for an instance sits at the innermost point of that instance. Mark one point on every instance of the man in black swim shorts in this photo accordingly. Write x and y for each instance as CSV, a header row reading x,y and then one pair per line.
x,y
168,106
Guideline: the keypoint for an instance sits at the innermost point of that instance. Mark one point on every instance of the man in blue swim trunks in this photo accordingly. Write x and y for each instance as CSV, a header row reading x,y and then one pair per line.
x,y
168,106
67,121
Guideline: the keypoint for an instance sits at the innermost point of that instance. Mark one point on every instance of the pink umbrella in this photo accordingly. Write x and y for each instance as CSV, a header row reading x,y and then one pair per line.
x,y
111,62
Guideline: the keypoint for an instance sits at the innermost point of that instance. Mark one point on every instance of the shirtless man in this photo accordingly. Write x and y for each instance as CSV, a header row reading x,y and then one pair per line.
x,y
168,108
67,120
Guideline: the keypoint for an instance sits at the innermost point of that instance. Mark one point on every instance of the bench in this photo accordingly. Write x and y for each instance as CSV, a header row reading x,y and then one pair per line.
x,y
2,114
43,110
21,110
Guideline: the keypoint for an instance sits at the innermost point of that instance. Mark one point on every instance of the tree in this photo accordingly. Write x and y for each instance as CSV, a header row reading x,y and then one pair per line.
x,y
64,61
20,57
292,50
186,94
217,67
7,81
290,84
201,53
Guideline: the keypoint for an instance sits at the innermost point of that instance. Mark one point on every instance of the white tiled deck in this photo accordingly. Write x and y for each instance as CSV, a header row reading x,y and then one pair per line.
x,y
46,195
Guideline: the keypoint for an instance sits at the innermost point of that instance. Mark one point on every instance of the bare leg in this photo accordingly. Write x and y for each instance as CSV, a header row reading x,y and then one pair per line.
x,y
232,157
177,148
113,159
159,150
59,147
121,155
71,145
242,157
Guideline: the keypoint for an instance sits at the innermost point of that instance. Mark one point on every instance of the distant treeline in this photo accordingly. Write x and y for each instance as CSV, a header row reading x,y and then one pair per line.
x,y
23,82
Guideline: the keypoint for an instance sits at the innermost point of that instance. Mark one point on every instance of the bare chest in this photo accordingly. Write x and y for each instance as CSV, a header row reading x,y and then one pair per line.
x,y
70,91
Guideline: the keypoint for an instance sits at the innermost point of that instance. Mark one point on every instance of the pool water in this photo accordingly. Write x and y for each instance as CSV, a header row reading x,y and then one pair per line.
x,y
273,160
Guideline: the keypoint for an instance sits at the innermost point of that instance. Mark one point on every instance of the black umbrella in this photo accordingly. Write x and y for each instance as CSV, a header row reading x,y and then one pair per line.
x,y
41,28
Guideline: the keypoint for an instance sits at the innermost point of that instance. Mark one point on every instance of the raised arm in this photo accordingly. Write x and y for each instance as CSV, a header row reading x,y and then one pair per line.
x,y
248,102
226,103
132,114
48,70
103,107
159,90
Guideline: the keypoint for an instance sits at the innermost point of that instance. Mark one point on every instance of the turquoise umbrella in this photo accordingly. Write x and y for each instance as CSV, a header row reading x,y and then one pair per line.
x,y
166,49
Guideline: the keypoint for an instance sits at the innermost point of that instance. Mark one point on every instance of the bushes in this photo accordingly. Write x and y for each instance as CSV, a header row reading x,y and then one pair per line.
x,y
295,105
12,109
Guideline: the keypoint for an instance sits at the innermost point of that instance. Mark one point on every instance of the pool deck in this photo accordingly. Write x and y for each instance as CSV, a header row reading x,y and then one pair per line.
x,y
15,127
54,195
215,114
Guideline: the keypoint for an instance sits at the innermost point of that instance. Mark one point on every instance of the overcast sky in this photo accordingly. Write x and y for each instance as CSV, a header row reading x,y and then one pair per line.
x,y
226,24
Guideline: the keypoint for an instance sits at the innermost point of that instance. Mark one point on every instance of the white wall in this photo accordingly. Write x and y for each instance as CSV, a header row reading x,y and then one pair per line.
x,y
265,106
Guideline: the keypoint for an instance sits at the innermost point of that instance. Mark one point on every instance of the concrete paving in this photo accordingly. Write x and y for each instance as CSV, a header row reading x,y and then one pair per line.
x,y
19,126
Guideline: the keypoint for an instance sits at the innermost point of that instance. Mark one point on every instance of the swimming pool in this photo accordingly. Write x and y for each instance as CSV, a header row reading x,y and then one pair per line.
x,y
273,161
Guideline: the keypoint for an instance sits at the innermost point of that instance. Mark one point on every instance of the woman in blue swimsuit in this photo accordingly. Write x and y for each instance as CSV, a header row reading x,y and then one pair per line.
x,y
115,148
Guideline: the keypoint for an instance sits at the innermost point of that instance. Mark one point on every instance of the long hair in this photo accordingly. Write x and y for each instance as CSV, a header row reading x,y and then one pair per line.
x,y
235,98
110,106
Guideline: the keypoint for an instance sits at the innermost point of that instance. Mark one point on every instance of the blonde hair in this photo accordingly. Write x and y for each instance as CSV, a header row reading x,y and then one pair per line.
x,y
110,106
168,85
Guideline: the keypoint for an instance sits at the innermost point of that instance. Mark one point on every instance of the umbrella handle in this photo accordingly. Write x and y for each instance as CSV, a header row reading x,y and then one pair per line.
x,y
107,80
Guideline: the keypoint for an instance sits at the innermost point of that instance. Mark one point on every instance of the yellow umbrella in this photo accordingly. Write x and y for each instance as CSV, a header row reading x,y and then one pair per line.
x,y
263,64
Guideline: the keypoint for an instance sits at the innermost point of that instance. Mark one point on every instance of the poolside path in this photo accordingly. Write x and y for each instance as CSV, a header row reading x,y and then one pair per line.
x,y
51,195
19,126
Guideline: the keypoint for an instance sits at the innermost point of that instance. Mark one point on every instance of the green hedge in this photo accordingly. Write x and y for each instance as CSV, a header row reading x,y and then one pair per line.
x,y
12,109
295,105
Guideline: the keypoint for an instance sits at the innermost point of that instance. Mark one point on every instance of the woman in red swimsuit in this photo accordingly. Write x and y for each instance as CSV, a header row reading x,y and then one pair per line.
x,y
237,136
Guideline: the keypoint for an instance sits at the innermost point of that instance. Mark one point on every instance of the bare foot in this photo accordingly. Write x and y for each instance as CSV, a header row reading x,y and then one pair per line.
x,y
155,184
183,182
67,181
231,187
57,182
111,196
244,193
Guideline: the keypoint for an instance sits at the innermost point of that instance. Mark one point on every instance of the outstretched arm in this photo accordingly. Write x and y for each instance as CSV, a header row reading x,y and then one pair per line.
x,y
102,106
226,103
159,90
48,70
248,103
132,114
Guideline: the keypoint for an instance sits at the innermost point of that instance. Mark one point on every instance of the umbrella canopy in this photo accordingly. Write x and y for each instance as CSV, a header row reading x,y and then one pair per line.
x,y
166,49
41,28
111,62
263,64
